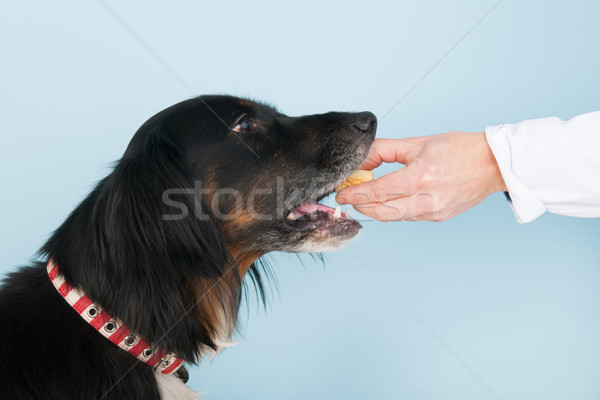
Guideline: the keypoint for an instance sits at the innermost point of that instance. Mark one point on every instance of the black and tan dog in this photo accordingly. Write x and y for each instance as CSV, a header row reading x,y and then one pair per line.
x,y
154,259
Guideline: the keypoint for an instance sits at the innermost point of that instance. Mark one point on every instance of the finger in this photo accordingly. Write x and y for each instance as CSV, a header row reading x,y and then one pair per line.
x,y
416,207
396,184
389,151
395,210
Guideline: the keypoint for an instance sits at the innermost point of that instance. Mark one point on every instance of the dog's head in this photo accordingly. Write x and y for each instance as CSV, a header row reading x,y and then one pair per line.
x,y
203,190
261,173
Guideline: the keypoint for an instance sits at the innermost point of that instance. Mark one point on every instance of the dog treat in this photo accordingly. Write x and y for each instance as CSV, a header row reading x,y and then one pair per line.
x,y
358,176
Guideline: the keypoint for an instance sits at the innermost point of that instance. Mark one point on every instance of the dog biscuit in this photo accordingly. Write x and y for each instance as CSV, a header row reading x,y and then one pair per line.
x,y
358,176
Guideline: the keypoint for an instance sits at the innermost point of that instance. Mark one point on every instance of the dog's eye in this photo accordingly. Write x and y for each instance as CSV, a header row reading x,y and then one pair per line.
x,y
244,126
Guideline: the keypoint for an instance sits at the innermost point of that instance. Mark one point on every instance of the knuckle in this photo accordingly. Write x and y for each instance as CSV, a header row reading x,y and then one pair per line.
x,y
427,176
440,218
425,203
379,213
378,192
441,215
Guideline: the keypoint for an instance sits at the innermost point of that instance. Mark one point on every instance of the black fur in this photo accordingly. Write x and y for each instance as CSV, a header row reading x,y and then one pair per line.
x,y
167,277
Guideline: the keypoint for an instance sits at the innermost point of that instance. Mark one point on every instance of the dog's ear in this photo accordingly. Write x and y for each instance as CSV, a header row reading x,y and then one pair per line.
x,y
146,247
154,214
165,247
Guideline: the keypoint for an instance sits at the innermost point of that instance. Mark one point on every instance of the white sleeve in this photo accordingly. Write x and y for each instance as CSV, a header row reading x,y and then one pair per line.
x,y
549,164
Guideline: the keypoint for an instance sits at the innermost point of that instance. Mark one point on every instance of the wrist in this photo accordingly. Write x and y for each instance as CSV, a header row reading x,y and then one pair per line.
x,y
495,178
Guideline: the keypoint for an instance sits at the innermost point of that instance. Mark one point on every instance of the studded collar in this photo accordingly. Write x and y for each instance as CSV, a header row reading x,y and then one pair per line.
x,y
112,328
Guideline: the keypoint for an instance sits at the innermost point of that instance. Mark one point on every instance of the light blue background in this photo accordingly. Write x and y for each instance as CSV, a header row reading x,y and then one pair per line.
x,y
518,304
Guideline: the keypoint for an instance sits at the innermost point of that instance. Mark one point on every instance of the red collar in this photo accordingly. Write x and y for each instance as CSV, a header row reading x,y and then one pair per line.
x,y
112,328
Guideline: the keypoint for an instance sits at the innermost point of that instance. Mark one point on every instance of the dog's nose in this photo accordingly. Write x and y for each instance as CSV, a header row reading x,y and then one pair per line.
x,y
365,122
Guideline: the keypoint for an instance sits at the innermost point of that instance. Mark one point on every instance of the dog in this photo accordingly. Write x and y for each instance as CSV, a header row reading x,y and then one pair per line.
x,y
147,272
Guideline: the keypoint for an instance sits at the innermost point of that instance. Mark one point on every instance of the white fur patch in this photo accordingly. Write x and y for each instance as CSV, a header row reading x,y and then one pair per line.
x,y
315,246
172,388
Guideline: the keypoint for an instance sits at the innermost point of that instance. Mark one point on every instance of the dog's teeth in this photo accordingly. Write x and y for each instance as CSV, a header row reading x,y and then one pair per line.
x,y
347,213
291,216
338,212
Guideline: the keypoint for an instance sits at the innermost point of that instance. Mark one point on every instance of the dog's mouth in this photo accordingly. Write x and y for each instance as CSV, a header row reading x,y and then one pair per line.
x,y
323,221
309,224
313,208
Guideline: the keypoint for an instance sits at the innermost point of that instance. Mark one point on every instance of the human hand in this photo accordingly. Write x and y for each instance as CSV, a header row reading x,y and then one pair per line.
x,y
445,175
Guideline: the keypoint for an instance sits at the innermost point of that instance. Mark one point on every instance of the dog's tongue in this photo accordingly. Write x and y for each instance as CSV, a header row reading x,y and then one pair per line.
x,y
311,207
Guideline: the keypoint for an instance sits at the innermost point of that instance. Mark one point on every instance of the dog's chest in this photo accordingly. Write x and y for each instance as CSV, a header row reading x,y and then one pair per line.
x,y
172,388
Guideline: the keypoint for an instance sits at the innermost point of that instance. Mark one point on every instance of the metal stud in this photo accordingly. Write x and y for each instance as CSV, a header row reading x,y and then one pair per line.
x,y
130,340
147,353
92,312
110,326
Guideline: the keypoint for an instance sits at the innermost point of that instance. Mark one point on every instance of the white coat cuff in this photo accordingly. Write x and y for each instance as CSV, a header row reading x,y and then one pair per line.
x,y
524,203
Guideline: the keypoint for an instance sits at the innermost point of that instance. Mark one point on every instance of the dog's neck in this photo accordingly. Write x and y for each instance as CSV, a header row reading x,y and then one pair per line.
x,y
112,328
211,294
244,260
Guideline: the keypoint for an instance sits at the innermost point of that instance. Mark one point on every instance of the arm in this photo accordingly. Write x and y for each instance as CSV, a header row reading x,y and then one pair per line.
x,y
543,164
550,165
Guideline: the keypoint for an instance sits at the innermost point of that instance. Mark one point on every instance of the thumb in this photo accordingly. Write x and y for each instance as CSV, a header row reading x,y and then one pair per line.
x,y
391,150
